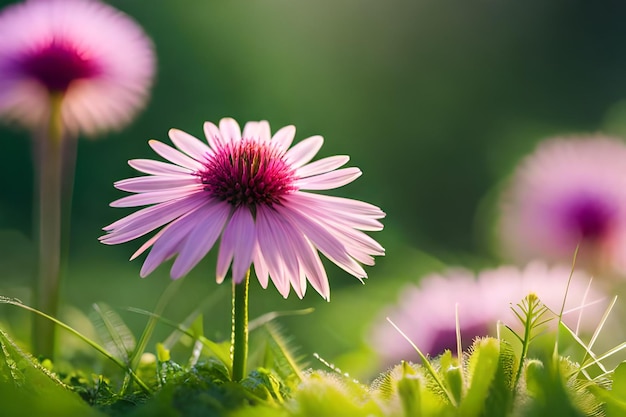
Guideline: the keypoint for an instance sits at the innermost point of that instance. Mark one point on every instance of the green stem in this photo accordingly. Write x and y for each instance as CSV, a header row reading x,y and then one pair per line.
x,y
239,347
50,164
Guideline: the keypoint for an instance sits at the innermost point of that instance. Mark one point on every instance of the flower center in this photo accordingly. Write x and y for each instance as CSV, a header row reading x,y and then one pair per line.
x,y
445,338
248,173
590,218
57,63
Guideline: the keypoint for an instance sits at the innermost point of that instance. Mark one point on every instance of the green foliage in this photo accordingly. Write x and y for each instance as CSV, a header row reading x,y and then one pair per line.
x,y
489,380
615,397
483,365
116,336
29,389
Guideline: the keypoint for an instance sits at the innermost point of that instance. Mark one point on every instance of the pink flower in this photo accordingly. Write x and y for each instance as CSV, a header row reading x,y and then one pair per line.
x,y
426,313
96,57
568,192
248,189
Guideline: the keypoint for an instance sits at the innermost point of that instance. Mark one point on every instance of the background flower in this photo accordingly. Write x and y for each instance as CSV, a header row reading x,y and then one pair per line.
x,y
95,56
568,192
426,313
247,189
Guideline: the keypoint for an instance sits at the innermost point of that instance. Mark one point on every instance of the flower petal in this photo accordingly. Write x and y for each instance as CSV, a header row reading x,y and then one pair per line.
x,y
329,180
144,199
230,130
250,130
342,204
274,242
310,264
260,266
328,243
174,155
189,144
152,183
264,133
148,219
168,242
304,151
213,136
284,137
148,166
323,165
211,221
304,203
238,241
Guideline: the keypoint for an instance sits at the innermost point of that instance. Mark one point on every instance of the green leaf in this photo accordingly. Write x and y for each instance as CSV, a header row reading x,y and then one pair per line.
x,y
27,388
265,385
482,366
279,355
133,375
616,398
549,396
452,375
332,394
115,334
409,387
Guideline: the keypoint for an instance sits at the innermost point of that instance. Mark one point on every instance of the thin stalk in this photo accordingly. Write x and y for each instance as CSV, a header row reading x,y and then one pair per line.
x,y
50,167
239,336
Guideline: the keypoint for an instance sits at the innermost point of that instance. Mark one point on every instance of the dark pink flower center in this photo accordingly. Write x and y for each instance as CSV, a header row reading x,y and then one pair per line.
x,y
445,338
590,218
57,63
248,173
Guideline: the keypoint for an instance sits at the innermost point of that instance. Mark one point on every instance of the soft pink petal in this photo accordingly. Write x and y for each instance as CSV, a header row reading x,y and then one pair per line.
x,y
259,131
274,241
323,165
157,196
148,166
310,264
332,215
355,221
358,244
189,144
329,180
260,266
154,183
264,133
169,242
147,222
213,136
284,137
174,155
238,241
148,243
326,242
211,221
250,130
304,151
342,204
230,130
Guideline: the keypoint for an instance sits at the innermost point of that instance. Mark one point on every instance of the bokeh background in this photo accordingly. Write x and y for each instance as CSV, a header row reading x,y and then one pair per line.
x,y
435,101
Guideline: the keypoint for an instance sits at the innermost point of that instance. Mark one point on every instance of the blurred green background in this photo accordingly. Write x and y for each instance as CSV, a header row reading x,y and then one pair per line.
x,y
435,101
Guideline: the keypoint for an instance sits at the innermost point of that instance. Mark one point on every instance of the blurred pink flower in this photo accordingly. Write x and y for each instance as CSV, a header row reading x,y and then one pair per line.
x,y
95,56
247,188
426,313
568,192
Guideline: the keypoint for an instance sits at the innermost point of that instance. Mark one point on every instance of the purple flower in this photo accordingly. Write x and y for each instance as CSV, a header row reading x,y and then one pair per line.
x,y
248,189
569,192
426,313
94,56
